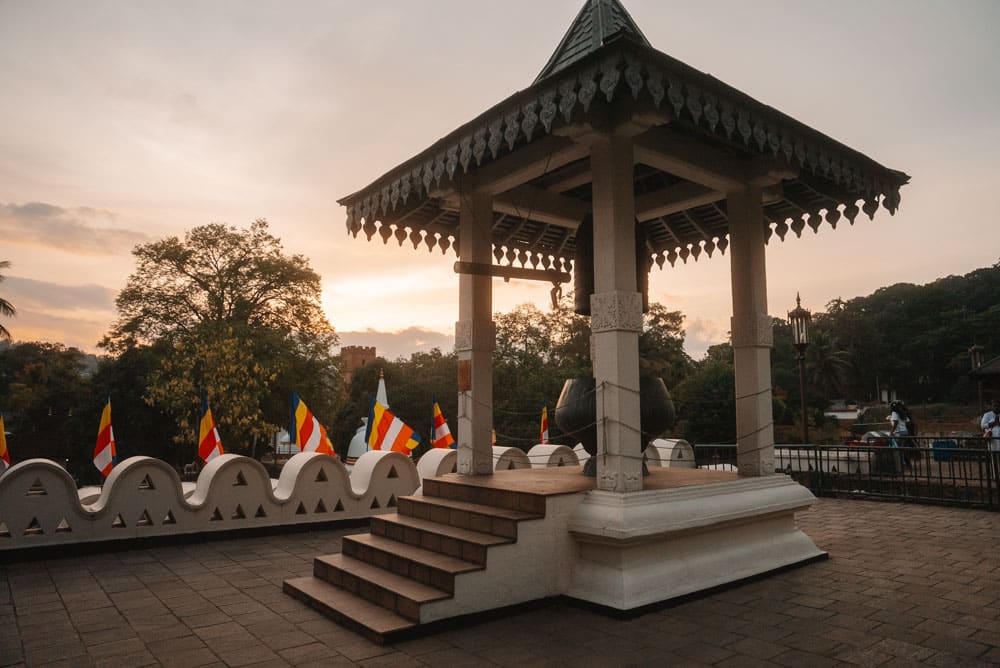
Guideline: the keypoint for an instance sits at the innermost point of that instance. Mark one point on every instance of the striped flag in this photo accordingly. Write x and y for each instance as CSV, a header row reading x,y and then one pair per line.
x,y
306,430
4,452
544,432
105,453
440,433
209,443
388,432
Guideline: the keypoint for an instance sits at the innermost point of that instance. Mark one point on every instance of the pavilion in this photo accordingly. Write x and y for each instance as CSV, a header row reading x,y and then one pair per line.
x,y
654,153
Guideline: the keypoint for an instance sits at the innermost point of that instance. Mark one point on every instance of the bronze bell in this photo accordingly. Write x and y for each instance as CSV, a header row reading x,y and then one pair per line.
x,y
583,266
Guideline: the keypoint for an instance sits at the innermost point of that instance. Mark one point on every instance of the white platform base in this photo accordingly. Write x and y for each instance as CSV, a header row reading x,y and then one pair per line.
x,y
647,547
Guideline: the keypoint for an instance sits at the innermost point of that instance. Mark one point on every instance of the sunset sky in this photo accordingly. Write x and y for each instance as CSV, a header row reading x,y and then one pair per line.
x,y
126,122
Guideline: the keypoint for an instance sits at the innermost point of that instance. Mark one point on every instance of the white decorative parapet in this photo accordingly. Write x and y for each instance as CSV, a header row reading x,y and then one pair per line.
x,y
545,456
506,458
144,497
673,452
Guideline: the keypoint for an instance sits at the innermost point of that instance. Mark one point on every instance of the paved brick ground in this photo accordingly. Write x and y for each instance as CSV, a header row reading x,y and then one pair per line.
x,y
906,585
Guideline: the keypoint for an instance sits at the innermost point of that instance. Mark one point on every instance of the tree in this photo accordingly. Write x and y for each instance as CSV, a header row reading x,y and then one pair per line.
x,y
231,314
217,274
661,346
6,308
50,406
706,400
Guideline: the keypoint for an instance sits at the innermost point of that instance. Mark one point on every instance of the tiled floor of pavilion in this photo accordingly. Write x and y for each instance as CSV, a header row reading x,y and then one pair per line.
x,y
905,585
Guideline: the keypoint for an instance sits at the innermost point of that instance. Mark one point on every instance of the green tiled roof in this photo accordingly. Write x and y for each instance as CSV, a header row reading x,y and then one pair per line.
x,y
598,20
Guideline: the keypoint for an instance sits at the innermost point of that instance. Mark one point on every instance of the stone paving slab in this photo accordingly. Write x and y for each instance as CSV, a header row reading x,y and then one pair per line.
x,y
905,585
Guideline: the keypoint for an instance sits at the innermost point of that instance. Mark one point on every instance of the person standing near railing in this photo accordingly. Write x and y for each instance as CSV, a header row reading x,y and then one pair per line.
x,y
991,431
899,431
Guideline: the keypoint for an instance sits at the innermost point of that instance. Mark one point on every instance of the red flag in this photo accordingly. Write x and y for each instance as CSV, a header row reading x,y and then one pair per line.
x,y
544,432
307,432
209,443
4,453
388,432
440,433
105,453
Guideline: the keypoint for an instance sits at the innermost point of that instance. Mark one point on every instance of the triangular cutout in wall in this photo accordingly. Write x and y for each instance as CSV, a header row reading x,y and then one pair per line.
x,y
34,528
63,526
301,510
37,488
216,516
239,514
144,520
241,480
320,507
118,522
4,531
170,519
146,483
375,504
339,508
392,501
321,476
260,512
392,472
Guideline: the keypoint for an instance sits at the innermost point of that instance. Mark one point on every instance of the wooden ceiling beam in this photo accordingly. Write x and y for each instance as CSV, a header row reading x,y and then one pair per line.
x,y
691,160
530,202
674,199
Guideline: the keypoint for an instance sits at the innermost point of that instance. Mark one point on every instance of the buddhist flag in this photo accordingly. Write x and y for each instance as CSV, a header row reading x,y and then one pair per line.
x,y
440,434
388,432
209,443
544,431
105,454
306,430
4,453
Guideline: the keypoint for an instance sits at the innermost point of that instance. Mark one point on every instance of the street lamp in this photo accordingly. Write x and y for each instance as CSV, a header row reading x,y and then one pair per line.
x,y
799,320
976,353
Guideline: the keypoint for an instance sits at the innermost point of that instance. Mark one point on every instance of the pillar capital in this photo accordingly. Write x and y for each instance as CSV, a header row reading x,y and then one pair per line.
x,y
615,311
752,329
475,335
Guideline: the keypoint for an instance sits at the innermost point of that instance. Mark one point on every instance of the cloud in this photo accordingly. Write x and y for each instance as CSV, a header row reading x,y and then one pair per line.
x,y
75,332
26,293
393,345
701,333
80,230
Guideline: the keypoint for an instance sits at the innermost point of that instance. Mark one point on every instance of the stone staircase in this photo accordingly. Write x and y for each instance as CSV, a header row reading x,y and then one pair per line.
x,y
380,581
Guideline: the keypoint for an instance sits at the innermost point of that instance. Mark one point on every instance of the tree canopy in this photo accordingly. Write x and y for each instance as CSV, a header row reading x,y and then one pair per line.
x,y
216,274
231,314
6,308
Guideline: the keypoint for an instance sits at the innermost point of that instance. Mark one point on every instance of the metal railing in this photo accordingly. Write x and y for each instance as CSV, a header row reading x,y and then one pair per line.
x,y
938,470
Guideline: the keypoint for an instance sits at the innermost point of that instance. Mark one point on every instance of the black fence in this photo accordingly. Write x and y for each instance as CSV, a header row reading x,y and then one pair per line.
x,y
950,471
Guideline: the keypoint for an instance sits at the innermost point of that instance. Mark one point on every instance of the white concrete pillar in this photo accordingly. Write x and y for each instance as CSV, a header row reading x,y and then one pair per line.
x,y
616,316
752,333
475,339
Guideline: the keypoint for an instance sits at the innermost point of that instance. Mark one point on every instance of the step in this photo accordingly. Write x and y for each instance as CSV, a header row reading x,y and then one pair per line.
x,y
430,568
364,617
464,515
394,592
450,488
455,542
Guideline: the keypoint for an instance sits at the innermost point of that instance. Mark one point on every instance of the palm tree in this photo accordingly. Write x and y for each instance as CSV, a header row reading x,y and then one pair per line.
x,y
828,368
6,308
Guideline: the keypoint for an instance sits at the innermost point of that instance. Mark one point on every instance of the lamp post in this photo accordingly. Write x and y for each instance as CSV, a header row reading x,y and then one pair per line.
x,y
799,320
976,353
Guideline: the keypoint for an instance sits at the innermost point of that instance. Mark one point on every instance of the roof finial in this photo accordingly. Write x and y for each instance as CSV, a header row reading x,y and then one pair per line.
x,y
596,22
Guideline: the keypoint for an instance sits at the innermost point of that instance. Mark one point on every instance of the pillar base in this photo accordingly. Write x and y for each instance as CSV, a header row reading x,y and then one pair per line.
x,y
647,547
